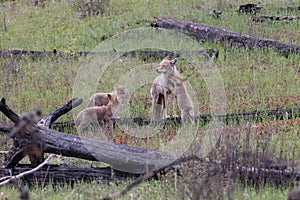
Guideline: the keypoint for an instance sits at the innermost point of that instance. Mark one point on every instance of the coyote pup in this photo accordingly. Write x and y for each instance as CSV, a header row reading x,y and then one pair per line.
x,y
185,103
162,87
97,113
100,99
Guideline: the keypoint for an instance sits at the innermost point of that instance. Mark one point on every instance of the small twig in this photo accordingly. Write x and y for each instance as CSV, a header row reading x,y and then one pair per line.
x,y
27,172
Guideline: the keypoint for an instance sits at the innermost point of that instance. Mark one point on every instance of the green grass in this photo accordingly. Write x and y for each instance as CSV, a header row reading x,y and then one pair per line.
x,y
148,190
251,79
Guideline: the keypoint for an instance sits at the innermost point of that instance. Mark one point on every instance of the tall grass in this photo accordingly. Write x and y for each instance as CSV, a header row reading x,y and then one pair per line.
x,y
252,79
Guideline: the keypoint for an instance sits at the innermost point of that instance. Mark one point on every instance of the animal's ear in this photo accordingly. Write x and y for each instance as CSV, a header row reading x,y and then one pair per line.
x,y
174,61
109,97
115,86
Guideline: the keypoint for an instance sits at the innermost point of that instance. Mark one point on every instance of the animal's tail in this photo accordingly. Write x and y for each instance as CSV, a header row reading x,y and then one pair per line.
x,y
79,116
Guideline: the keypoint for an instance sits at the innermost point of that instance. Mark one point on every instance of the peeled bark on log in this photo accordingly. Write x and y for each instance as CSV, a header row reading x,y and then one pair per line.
x,y
225,37
120,157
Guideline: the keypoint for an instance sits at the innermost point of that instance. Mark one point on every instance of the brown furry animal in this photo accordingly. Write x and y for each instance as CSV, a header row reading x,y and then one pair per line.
x,y
100,99
184,100
102,114
162,87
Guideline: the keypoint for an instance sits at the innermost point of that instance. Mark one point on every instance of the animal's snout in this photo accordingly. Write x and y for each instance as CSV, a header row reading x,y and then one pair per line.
x,y
159,70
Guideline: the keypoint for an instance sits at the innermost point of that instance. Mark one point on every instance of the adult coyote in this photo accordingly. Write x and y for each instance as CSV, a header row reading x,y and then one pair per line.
x,y
162,87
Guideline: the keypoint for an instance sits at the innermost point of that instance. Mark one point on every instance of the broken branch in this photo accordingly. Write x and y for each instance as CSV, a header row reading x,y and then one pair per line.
x,y
27,172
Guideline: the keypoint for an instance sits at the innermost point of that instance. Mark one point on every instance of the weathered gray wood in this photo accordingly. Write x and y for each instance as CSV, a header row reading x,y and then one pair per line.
x,y
289,8
120,157
55,174
160,54
230,118
205,32
148,53
275,18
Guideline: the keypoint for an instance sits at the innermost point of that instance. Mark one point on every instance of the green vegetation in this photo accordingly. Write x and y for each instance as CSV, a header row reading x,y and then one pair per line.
x,y
252,79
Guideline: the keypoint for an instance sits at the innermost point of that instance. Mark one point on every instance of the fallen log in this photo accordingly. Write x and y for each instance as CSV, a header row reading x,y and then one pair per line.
x,y
146,53
120,157
231,118
290,8
249,8
225,37
65,174
160,54
68,174
128,161
275,18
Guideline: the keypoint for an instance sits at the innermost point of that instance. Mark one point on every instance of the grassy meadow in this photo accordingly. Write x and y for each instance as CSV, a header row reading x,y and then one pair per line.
x,y
250,79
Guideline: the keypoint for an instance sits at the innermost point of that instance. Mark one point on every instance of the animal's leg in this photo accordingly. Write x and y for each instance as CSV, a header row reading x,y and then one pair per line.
x,y
82,125
192,116
183,118
156,108
166,100
109,126
187,116
174,99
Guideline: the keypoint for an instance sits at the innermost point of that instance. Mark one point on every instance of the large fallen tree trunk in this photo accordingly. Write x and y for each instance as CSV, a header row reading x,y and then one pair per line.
x,y
227,119
226,37
275,18
125,161
41,138
144,53
68,174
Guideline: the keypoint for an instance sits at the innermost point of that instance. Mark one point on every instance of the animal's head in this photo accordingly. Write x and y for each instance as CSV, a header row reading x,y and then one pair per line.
x,y
113,100
121,93
167,66
177,80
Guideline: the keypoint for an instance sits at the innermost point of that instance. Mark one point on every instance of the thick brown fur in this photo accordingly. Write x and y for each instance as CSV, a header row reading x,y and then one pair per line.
x,y
101,114
100,99
184,100
161,88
